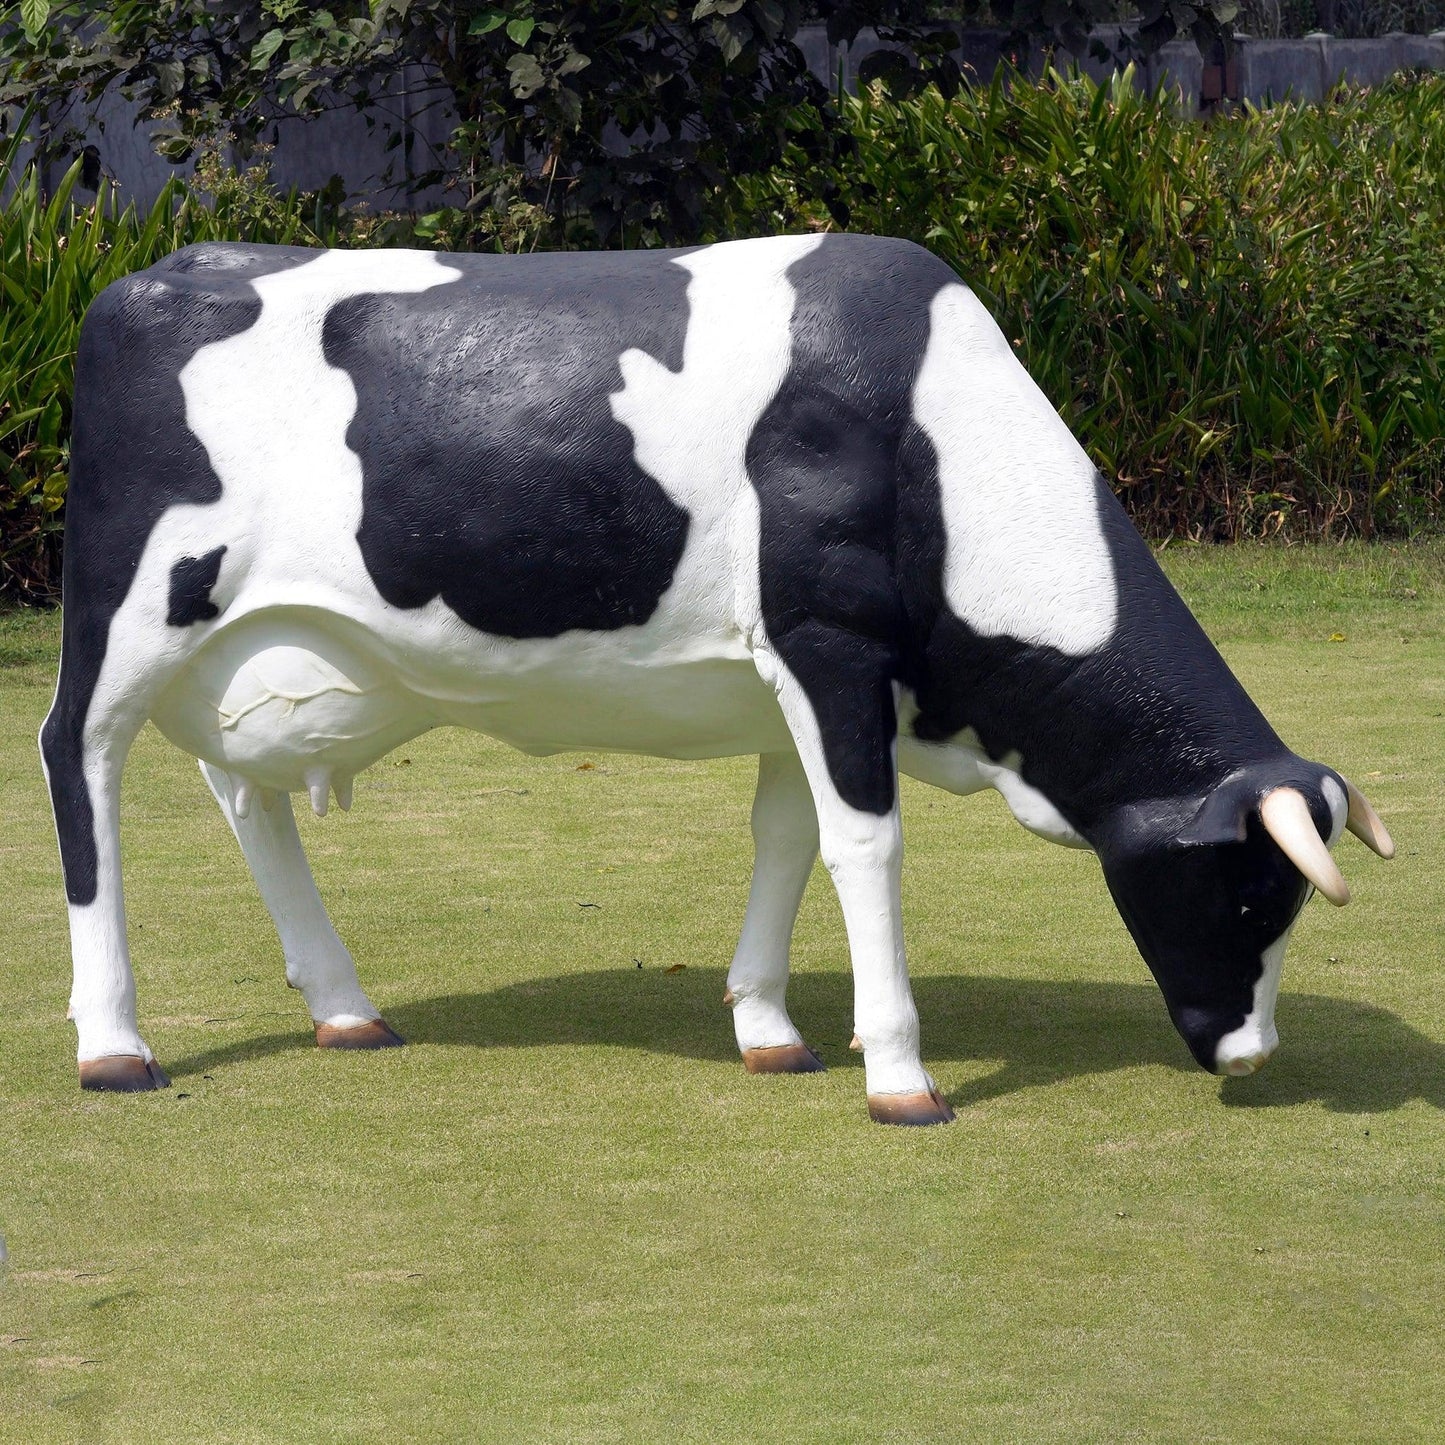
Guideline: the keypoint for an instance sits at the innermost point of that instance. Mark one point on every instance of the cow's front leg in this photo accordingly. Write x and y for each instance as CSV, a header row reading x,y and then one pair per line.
x,y
851,746
317,962
785,837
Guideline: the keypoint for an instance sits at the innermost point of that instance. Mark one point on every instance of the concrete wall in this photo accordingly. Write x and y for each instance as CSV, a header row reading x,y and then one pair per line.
x,y
305,153
308,153
1264,71
1308,69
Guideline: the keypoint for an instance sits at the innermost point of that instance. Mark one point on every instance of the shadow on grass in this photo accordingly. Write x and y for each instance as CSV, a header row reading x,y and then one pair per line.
x,y
1350,1057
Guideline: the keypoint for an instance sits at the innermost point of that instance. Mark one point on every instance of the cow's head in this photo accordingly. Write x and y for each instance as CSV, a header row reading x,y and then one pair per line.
x,y
1211,889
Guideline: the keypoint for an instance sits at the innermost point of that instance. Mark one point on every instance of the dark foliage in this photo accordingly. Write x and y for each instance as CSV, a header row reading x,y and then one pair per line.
x,y
616,117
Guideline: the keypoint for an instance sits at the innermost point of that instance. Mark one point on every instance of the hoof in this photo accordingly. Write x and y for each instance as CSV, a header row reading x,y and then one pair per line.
x,y
122,1074
783,1059
929,1108
374,1034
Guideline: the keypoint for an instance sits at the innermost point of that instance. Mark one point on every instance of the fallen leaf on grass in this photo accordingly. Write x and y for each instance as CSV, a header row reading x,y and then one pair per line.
x,y
65,1276
1338,637
675,968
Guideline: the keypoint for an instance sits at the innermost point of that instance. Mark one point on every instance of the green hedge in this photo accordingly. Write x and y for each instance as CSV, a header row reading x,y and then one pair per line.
x,y
1242,319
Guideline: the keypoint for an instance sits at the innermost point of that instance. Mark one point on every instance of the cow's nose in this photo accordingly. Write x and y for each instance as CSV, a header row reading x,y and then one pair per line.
x,y
1244,1064
1247,1049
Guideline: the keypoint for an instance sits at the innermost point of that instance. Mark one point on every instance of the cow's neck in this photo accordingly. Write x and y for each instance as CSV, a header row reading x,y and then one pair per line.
x,y
1154,713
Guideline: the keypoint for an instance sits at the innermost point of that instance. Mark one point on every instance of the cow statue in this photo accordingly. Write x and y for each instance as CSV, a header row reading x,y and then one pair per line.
x,y
793,497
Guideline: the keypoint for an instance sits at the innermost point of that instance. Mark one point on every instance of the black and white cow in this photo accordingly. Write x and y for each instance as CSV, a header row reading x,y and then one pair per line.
x,y
793,497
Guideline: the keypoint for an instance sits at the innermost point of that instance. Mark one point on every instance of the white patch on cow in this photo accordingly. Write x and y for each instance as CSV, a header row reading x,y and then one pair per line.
x,y
1247,1049
1026,557
690,432
691,428
962,766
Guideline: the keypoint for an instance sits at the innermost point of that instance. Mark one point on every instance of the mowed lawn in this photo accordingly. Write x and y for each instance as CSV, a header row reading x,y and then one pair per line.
x,y
565,1213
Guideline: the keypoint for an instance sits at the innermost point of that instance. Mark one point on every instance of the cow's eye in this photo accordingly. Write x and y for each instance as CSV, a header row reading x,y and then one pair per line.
x,y
1257,920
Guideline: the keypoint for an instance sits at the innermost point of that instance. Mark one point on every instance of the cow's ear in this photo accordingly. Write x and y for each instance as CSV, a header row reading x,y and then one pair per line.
x,y
1223,817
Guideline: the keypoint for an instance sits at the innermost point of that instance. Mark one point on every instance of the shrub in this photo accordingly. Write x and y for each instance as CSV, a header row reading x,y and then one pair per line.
x,y
1243,320
542,90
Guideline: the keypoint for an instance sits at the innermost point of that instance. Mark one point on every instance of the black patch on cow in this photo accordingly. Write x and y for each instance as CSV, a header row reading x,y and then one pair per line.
x,y
824,461
191,581
494,474
132,458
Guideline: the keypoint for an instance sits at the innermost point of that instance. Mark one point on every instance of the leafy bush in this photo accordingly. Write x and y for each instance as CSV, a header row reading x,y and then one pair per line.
x,y
1348,19
1243,320
543,92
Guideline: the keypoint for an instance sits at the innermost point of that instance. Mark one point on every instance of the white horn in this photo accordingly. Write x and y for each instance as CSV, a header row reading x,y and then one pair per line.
x,y
1364,822
1286,818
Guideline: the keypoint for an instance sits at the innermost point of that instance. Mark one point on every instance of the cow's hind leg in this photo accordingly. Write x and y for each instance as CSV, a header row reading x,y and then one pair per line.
x,y
785,835
97,713
317,962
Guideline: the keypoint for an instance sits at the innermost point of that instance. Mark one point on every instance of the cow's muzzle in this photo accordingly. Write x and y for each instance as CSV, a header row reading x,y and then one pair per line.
x,y
1218,1049
1239,1066
1247,1049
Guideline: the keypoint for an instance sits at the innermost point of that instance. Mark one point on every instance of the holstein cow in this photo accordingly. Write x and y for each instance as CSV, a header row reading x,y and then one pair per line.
x,y
793,497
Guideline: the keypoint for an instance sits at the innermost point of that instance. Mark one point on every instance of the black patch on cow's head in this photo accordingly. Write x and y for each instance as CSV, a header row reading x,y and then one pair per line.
x,y
824,462
190,595
132,458
494,474
1204,891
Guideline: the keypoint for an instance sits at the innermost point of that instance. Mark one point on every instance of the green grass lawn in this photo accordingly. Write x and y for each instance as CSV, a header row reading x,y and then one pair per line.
x,y
565,1213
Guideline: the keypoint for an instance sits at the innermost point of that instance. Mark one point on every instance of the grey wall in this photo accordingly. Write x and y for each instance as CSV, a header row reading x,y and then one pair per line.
x,y
1267,70
308,153
305,153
